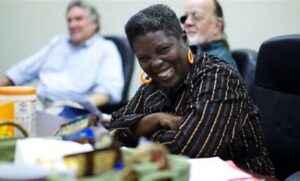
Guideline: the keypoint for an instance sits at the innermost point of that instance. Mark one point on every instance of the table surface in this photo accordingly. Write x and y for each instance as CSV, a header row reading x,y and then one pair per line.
x,y
47,124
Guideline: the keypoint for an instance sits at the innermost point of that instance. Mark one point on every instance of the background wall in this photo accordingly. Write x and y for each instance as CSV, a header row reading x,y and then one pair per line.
x,y
27,25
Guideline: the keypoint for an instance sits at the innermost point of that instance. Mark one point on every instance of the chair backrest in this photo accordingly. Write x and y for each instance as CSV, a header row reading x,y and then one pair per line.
x,y
127,56
277,94
246,62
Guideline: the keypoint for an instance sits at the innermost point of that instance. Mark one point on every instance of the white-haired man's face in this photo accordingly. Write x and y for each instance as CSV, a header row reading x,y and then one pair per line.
x,y
200,22
81,27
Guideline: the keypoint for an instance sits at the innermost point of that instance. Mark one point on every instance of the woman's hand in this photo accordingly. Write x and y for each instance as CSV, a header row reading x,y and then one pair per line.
x,y
169,121
154,122
106,120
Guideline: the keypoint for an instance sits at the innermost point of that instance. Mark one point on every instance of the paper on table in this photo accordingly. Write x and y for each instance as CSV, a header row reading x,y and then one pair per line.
x,y
46,152
91,108
214,169
84,105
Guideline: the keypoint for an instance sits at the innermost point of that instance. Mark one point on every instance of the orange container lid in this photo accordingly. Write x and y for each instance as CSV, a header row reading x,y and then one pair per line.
x,y
17,90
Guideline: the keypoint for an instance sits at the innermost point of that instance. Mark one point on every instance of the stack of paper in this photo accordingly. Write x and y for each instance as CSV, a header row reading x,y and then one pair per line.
x,y
207,169
46,152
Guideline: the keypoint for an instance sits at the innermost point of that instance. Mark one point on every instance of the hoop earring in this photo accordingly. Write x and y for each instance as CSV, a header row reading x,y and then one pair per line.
x,y
145,80
190,57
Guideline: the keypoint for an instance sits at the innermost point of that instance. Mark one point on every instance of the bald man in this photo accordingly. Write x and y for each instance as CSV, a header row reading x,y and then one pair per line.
x,y
204,25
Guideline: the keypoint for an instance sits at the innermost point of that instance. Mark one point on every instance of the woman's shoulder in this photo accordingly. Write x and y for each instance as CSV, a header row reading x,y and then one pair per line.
x,y
209,63
210,68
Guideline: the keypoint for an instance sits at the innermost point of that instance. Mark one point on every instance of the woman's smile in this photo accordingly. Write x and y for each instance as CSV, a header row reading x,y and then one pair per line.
x,y
166,74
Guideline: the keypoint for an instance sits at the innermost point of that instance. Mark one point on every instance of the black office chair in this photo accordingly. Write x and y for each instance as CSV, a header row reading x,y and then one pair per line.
x,y
246,62
277,94
127,56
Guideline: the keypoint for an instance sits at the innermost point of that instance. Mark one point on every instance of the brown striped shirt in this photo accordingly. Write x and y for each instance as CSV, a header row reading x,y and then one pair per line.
x,y
219,117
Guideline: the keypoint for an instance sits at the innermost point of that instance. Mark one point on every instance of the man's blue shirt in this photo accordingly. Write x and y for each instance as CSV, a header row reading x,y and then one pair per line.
x,y
220,49
68,72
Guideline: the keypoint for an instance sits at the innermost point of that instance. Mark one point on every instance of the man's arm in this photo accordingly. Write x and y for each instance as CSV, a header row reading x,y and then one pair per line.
x,y
28,69
6,81
98,99
109,80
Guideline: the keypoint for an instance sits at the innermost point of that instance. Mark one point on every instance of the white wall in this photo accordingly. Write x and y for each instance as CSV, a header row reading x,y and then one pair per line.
x,y
250,22
26,25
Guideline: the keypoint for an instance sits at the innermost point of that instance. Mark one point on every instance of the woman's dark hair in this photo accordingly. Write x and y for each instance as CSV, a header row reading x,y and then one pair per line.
x,y
157,17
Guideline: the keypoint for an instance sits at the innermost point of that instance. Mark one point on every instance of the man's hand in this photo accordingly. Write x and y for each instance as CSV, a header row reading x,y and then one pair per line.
x,y
5,81
98,99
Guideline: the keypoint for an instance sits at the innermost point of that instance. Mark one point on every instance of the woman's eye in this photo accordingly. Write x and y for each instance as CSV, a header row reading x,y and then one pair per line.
x,y
164,50
143,59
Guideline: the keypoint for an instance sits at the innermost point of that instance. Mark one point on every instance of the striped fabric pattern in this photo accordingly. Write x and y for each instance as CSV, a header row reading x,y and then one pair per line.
x,y
218,116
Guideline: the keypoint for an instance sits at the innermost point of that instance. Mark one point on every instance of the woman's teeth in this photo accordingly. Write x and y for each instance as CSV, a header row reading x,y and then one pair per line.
x,y
166,73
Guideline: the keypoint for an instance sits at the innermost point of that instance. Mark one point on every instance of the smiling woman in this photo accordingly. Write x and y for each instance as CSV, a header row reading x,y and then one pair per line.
x,y
195,105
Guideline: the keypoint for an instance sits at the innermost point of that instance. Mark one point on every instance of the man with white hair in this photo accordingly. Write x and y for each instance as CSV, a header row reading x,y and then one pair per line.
x,y
204,25
78,66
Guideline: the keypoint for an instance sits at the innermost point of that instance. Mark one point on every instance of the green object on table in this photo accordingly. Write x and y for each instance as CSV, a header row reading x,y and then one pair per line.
x,y
179,170
7,147
107,176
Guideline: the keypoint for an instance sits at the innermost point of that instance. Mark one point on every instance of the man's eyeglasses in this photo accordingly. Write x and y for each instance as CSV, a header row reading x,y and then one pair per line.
x,y
183,19
195,17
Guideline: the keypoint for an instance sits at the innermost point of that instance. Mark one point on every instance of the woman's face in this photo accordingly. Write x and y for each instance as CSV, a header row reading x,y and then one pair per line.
x,y
162,57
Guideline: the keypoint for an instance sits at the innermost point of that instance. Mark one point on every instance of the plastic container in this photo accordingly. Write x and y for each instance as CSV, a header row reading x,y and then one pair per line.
x,y
18,104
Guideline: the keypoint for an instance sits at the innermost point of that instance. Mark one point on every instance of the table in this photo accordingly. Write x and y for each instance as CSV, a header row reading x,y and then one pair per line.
x,y
47,124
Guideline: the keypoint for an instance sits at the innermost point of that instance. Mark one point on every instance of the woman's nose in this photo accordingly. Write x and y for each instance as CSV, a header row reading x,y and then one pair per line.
x,y
156,63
